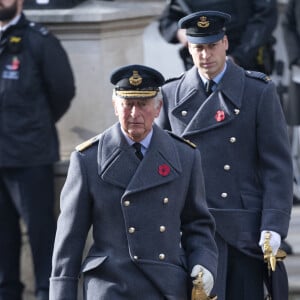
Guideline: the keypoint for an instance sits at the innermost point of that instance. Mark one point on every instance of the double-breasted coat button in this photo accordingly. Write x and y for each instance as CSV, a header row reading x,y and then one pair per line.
x,y
135,257
227,167
232,139
162,256
126,203
166,200
162,228
131,230
184,113
224,195
236,111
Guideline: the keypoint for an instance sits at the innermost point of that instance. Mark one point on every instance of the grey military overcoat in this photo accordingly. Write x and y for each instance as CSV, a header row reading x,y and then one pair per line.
x,y
241,134
150,221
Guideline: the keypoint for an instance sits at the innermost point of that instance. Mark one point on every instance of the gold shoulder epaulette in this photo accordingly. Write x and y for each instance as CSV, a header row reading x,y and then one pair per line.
x,y
87,144
182,139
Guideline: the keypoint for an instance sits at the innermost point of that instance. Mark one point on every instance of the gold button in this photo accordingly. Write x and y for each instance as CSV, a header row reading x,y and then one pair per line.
x,y
162,256
232,139
162,228
184,113
227,167
131,230
126,203
224,195
166,200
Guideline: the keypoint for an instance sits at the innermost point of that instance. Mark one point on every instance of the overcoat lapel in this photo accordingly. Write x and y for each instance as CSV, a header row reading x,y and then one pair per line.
x,y
220,108
118,164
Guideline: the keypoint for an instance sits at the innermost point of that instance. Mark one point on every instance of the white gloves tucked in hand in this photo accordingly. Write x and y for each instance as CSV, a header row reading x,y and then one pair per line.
x,y
275,241
207,278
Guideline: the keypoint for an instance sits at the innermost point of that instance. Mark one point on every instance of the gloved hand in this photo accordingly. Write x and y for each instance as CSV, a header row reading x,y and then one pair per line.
x,y
275,241
207,278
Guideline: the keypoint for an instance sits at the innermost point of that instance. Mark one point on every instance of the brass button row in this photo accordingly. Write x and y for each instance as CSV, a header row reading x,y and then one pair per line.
x,y
161,256
127,202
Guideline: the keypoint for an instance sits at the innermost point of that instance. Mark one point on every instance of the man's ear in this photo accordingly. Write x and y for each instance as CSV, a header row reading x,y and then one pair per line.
x,y
158,109
115,107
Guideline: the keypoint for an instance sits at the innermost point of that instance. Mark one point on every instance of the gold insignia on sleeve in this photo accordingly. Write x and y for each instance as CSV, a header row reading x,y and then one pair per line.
x,y
203,23
15,39
135,79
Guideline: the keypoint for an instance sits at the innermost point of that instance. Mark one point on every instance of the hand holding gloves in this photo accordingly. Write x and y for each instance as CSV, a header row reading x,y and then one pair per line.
x,y
207,278
275,241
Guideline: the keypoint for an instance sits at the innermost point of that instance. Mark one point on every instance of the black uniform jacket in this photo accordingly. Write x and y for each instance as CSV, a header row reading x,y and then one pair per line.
x,y
150,221
241,134
36,88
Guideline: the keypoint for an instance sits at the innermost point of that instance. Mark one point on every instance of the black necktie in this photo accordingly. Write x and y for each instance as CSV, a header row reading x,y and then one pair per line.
x,y
138,151
208,86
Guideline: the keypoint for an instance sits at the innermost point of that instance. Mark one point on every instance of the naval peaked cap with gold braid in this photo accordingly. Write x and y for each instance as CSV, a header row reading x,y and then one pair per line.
x,y
136,81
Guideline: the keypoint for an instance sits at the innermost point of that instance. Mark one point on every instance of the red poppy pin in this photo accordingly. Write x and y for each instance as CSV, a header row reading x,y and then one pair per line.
x,y
220,115
164,170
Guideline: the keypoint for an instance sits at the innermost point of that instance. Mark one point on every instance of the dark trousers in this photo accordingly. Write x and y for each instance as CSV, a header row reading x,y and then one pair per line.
x,y
244,277
27,194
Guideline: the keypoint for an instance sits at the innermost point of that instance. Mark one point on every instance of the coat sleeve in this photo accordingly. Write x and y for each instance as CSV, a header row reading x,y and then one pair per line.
x,y
72,230
258,30
168,21
57,76
275,163
198,226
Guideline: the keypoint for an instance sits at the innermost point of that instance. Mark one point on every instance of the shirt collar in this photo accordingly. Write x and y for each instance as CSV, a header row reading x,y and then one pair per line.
x,y
217,78
145,142
12,22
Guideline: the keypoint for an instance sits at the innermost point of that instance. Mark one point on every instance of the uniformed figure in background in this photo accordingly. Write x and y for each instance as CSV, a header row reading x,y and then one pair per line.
x,y
291,35
36,88
235,118
249,33
151,227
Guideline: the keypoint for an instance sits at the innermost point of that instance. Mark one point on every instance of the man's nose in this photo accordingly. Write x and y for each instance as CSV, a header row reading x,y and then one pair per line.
x,y
135,110
205,53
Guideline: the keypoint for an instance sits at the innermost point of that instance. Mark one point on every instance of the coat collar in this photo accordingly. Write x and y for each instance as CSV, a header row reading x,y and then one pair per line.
x,y
231,85
118,165
221,107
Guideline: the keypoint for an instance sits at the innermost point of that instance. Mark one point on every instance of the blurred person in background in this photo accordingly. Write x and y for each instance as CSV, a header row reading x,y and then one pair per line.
x,y
291,36
36,89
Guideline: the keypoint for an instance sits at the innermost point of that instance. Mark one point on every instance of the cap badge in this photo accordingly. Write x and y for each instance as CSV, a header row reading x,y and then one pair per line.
x,y
135,79
203,23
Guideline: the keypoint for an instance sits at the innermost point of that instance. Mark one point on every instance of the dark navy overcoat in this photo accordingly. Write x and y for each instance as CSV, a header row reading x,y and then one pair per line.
x,y
150,221
241,134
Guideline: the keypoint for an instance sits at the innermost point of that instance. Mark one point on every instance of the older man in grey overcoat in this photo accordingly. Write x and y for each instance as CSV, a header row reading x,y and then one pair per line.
x,y
235,118
152,231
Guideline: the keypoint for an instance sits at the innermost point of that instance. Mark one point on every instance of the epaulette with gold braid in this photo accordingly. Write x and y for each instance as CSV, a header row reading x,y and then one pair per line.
x,y
182,139
87,144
